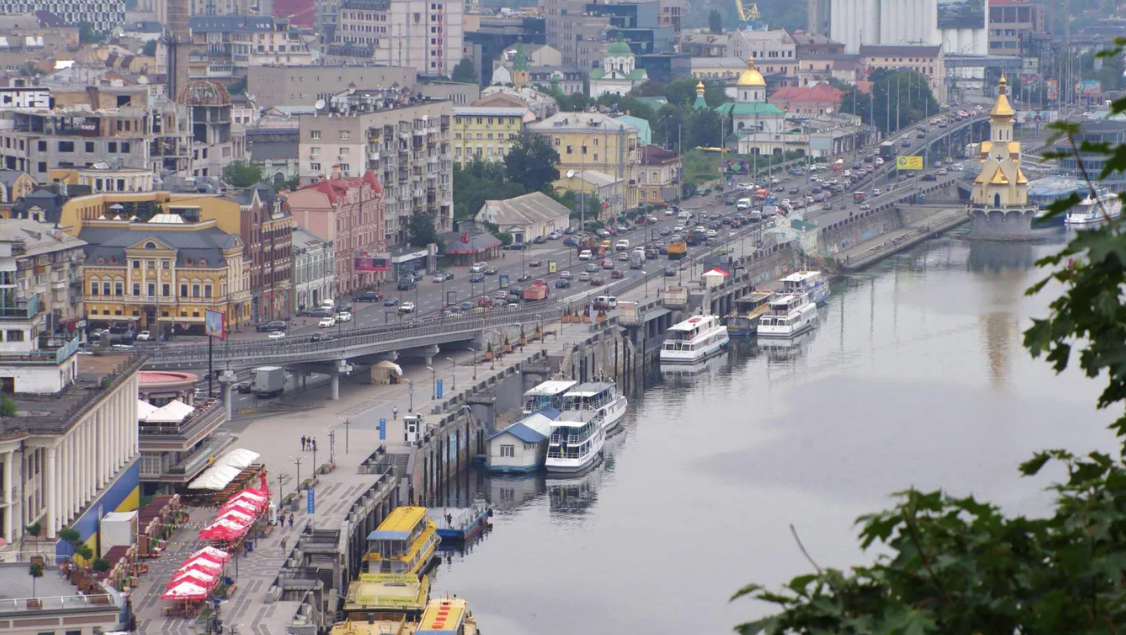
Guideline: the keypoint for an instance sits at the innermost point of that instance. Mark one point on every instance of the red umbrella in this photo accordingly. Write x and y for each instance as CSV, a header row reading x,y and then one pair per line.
x,y
185,591
199,564
213,554
195,576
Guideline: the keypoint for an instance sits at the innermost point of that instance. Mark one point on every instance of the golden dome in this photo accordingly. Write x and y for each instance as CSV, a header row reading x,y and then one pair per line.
x,y
700,87
751,77
1002,108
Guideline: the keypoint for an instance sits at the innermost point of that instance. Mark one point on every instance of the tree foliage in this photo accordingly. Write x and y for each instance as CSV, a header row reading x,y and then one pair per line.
x,y
421,231
149,49
465,72
8,407
531,162
479,181
897,100
242,174
715,22
949,565
101,564
87,34
35,570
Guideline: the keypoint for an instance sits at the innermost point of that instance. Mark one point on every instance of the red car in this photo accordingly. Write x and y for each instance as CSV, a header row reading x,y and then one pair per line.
x,y
607,264
596,282
617,273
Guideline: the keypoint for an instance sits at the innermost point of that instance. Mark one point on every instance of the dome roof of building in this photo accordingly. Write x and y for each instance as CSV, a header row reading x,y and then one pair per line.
x,y
619,47
751,77
1002,108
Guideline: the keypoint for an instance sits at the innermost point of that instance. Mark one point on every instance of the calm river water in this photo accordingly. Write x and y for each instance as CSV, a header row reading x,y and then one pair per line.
x,y
916,376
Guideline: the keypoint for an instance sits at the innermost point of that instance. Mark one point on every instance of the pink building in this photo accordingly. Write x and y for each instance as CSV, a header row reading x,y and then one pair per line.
x,y
349,213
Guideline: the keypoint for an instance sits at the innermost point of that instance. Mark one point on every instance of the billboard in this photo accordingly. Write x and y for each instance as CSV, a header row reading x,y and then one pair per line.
x,y
908,163
214,324
961,14
363,261
1036,116
1053,89
1090,87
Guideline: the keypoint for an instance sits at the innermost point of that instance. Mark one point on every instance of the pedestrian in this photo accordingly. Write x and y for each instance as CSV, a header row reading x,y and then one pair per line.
x,y
314,445
302,443
291,520
394,412
283,544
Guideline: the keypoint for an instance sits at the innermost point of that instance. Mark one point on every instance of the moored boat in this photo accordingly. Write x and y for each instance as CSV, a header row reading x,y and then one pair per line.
x,y
694,340
1097,207
811,283
789,315
446,616
598,397
458,525
748,309
548,394
576,441
405,542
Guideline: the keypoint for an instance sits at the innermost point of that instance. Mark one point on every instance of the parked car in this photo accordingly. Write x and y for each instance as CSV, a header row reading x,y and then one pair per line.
x,y
276,335
539,240
515,246
406,307
554,236
276,325
143,336
368,296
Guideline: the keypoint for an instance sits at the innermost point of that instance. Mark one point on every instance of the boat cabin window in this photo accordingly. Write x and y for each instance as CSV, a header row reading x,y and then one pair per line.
x,y
572,443
586,401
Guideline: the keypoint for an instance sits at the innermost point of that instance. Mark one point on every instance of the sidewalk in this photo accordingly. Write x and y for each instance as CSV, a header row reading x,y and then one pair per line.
x,y
861,255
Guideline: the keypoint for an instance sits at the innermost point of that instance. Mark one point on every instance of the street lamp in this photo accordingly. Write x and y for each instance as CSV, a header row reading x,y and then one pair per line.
x,y
434,381
453,367
474,363
410,395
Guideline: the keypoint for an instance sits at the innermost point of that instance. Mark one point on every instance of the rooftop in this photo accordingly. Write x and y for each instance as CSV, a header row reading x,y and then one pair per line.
x,y
36,237
239,23
718,62
55,593
875,50
97,375
522,210
489,111
580,121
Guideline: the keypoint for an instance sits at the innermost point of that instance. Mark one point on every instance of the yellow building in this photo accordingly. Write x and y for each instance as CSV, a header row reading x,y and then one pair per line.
x,y
482,132
14,185
588,141
1001,182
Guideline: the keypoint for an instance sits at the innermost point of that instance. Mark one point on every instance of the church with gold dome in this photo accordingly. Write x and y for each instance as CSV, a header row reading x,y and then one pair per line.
x,y
758,125
999,207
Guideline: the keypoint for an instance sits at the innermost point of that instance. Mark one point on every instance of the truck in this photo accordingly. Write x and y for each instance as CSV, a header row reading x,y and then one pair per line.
x,y
838,165
887,150
677,249
536,292
637,259
269,381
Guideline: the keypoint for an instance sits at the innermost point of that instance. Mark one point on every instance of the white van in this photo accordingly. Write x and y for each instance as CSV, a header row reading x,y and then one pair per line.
x,y
743,203
622,245
683,218
329,304
607,300
585,255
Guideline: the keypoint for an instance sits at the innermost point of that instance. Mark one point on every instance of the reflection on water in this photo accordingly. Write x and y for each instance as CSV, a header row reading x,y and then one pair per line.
x,y
916,376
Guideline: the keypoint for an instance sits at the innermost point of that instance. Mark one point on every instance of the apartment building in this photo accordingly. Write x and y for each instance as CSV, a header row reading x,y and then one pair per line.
x,y
303,85
597,143
224,47
101,15
349,214
659,176
486,133
314,270
424,35
224,7
574,33
1010,21
265,228
48,264
925,60
405,141
774,53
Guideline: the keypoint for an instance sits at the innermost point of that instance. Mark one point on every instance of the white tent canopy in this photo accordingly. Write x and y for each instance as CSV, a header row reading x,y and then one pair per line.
x,y
195,576
144,409
186,590
174,411
217,554
239,458
392,366
225,469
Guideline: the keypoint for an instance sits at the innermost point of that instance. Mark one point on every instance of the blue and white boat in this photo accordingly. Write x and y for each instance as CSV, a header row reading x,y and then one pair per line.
x,y
598,397
458,525
522,446
694,340
810,283
548,394
1103,205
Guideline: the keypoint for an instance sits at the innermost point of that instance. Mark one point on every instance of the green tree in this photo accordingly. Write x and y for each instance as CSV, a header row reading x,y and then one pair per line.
x,y
31,69
959,565
479,181
237,87
420,230
34,530
531,163
101,565
242,174
898,99
36,572
715,22
8,407
149,49
87,34
465,72
703,128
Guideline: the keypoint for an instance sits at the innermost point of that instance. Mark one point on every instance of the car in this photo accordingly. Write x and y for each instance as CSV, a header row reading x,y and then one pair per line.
x,y
515,289
442,276
617,273
591,267
922,134
406,307
958,167
665,231
906,143
712,233
276,335
570,242
827,206
679,228
524,277
405,284
570,230
467,306
539,240
491,270
565,275
585,254
276,325
344,316
669,272
596,282
603,233
663,250
535,262
562,284
584,277
943,172
513,297
512,305
876,191
515,246
930,177
143,336
368,296
607,264
327,322
623,257
864,207
476,277
391,302
243,386
730,200
477,267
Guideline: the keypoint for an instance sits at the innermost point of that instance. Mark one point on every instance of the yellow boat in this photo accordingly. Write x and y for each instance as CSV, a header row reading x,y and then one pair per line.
x,y
388,593
447,616
374,624
404,543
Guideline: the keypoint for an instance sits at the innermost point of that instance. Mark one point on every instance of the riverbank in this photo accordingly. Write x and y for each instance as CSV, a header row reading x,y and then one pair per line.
x,y
925,224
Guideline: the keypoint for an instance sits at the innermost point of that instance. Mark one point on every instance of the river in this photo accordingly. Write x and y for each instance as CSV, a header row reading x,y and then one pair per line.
x,y
916,376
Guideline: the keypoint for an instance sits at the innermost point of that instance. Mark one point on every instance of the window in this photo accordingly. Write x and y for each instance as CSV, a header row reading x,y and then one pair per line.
x,y
41,166
93,288
315,150
343,135
152,289
89,146
508,450
105,288
344,150
150,264
195,290
164,264
119,288
568,149
345,168
136,288
125,147
207,291
136,264
14,335
41,146
66,146
316,167
111,146
183,290
314,134
164,290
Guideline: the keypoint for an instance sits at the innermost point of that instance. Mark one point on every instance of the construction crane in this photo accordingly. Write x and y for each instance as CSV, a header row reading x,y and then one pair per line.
x,y
749,18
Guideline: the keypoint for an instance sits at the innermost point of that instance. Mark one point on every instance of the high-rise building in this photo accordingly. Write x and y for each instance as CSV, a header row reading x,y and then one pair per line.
x,y
1011,21
820,16
887,22
425,36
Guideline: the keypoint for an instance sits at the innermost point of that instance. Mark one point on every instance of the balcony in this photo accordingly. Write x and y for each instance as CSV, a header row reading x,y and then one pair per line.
x,y
19,309
179,436
192,464
50,355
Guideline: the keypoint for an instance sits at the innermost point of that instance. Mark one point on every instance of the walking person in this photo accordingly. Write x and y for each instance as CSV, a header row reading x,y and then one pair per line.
x,y
291,520
314,445
394,412
302,443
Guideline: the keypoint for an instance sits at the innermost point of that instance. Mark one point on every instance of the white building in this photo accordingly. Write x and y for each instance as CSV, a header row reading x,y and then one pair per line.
x,y
426,36
526,217
522,446
856,22
618,74
759,125
314,275
101,15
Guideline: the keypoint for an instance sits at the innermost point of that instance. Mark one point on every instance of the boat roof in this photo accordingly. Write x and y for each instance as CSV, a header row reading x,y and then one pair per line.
x,y
692,323
522,432
801,276
573,419
754,297
552,387
590,389
785,300
399,523
443,616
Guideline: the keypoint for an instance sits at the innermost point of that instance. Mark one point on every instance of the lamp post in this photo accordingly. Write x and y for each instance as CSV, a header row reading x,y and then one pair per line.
x,y
410,395
474,351
297,485
453,369
433,381
347,425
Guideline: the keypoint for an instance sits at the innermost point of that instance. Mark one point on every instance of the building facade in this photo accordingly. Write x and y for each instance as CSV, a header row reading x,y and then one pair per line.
x,y
1011,21
47,265
425,36
15,185
659,176
486,133
578,35
101,15
406,142
348,212
812,101
596,142
265,229
618,74
314,270
774,52
925,60
225,47
303,85
855,23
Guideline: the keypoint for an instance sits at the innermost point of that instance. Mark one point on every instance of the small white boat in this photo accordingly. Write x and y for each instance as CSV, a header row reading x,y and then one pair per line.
x,y
812,283
600,398
789,315
694,340
1104,205
576,441
548,394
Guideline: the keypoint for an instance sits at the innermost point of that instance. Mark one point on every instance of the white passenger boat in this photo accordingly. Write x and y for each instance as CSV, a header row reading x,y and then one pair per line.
x,y
548,394
789,315
694,371
812,283
600,398
1104,205
576,441
694,340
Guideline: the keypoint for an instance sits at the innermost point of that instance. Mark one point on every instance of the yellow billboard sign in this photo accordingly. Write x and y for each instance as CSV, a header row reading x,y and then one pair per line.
x,y
909,163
